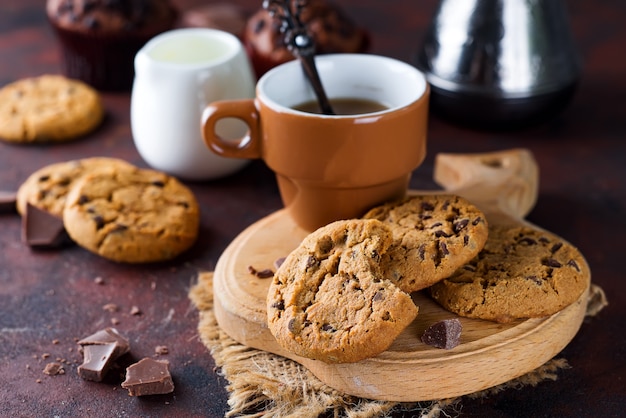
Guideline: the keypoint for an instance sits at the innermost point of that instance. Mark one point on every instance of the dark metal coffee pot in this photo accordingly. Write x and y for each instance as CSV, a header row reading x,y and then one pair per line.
x,y
499,63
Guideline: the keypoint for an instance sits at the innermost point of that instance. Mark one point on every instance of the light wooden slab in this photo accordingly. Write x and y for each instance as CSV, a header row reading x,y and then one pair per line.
x,y
489,353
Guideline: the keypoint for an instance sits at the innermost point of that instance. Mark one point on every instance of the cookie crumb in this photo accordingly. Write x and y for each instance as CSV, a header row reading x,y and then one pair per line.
x,y
54,368
115,321
135,310
111,307
98,280
444,334
161,350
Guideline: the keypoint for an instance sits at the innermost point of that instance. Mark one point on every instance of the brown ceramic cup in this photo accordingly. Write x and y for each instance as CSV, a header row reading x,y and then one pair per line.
x,y
332,167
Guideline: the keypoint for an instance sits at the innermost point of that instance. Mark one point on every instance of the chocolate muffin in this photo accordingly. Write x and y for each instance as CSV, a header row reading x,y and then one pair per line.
x,y
332,30
99,38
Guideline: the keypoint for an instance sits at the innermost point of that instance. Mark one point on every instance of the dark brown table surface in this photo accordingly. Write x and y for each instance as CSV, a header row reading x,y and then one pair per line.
x,y
49,298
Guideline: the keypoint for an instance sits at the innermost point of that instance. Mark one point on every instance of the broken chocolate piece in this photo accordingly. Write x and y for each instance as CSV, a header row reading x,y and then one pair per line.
x,y
148,377
100,350
108,336
7,201
41,229
97,361
261,274
279,262
443,334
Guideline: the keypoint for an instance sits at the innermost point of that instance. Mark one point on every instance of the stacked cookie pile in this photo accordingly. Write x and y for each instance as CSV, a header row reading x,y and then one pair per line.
x,y
344,294
113,208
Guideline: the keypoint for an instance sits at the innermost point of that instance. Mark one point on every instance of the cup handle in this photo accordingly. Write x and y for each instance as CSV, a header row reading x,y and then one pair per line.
x,y
249,146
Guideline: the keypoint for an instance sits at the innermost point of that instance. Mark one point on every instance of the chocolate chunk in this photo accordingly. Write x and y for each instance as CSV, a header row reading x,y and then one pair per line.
x,y
100,350
99,220
556,247
573,263
443,334
528,241
279,262
40,229
458,226
148,377
551,262
427,206
261,274
97,361
443,248
108,336
7,201
265,274
422,251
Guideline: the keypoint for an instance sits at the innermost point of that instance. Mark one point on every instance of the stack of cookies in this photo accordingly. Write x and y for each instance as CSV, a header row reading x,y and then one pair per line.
x,y
114,209
344,294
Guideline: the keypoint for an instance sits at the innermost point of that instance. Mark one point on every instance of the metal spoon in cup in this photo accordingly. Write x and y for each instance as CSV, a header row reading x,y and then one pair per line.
x,y
300,43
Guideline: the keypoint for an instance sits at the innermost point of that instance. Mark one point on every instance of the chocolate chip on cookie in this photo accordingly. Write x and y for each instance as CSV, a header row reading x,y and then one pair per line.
x,y
329,299
433,235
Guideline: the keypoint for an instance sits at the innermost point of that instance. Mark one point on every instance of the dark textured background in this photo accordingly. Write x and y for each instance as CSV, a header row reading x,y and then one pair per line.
x,y
51,295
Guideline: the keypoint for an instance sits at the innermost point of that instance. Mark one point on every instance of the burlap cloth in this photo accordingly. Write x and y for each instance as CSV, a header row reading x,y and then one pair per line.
x,y
262,384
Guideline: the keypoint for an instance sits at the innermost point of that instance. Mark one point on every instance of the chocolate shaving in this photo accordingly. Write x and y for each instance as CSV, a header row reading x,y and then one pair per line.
x,y
261,274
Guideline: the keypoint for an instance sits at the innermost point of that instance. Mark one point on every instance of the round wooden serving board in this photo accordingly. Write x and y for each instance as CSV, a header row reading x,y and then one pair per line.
x,y
488,354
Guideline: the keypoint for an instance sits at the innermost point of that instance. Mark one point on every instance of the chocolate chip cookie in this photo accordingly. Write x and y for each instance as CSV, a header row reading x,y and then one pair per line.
x,y
47,187
433,235
132,215
329,299
521,273
48,108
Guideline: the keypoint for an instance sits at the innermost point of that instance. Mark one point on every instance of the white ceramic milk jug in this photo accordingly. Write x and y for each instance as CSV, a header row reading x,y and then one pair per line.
x,y
177,74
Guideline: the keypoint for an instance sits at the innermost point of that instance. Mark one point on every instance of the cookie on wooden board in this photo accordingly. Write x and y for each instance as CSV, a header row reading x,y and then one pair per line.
x,y
433,235
329,300
521,273
132,215
48,108
47,187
